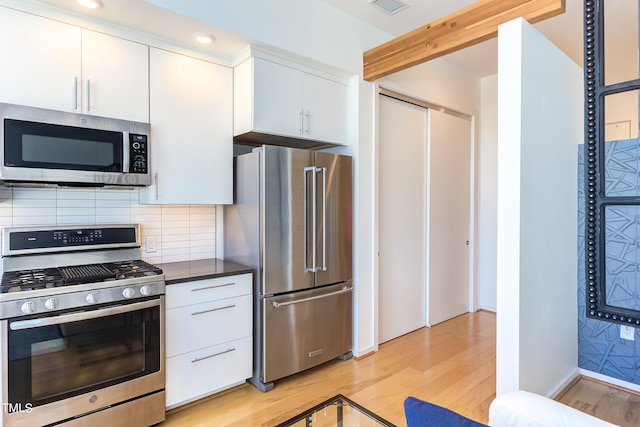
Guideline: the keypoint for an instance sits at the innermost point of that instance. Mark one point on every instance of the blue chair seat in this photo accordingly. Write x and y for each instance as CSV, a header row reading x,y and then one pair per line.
x,y
424,414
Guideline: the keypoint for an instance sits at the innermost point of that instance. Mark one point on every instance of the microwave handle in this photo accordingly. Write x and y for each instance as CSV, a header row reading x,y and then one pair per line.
x,y
126,152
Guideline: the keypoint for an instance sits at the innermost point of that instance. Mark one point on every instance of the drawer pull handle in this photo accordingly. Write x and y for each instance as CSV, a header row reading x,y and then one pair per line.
x,y
212,310
199,359
212,287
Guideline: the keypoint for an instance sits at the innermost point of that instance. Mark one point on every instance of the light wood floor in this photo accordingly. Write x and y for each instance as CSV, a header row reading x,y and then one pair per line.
x,y
451,364
612,404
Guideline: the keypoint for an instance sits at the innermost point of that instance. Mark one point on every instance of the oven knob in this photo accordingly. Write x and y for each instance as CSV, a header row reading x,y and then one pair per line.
x,y
28,307
91,298
145,290
128,293
51,303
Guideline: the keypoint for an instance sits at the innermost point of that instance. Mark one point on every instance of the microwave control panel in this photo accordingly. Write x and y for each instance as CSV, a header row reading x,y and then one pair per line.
x,y
138,153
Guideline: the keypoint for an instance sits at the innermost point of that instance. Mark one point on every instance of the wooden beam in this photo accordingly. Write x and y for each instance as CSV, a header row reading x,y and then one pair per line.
x,y
468,26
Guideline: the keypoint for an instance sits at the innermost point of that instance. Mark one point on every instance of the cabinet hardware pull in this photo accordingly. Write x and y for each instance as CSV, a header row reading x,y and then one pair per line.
x,y
212,310
307,114
75,93
88,95
198,359
301,121
212,287
155,179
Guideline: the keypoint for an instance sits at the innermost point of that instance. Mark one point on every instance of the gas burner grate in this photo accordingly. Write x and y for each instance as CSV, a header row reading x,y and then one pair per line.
x,y
14,281
85,273
133,268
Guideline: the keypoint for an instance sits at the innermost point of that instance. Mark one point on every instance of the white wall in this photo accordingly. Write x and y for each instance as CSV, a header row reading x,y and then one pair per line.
x,y
540,125
487,206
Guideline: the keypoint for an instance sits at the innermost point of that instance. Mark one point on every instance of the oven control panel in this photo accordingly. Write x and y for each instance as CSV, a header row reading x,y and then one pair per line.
x,y
81,299
77,237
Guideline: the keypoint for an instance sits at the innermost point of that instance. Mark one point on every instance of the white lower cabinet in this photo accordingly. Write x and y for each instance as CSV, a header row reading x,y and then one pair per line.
x,y
201,373
209,344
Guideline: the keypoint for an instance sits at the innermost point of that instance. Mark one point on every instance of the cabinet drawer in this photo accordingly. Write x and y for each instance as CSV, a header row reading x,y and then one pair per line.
x,y
182,294
201,325
200,373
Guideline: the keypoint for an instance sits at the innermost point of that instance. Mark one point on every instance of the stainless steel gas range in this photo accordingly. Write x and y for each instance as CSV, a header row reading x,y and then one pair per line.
x,y
81,328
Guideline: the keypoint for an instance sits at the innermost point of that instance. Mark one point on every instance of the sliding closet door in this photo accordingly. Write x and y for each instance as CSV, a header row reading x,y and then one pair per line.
x,y
449,216
402,153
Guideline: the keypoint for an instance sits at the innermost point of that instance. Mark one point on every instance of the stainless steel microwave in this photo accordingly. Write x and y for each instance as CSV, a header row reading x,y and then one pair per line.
x,y
48,147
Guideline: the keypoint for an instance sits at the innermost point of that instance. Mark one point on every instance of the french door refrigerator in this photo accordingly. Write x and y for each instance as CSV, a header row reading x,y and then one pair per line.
x,y
291,221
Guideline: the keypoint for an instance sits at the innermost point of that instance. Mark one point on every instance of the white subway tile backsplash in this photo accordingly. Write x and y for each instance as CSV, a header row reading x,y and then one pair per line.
x,y
176,258
76,220
33,221
182,232
174,232
34,193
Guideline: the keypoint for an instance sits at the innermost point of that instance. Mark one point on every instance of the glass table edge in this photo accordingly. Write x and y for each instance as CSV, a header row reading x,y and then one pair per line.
x,y
339,397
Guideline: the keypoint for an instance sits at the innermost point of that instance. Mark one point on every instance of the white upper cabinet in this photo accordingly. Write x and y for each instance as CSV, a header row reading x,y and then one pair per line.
x,y
278,99
63,67
41,61
191,131
115,77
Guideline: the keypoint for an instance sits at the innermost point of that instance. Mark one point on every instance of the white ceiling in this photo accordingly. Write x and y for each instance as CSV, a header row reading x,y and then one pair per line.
x,y
565,30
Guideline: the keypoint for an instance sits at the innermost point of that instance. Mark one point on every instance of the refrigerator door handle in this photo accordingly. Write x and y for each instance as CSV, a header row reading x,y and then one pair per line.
x,y
324,218
284,304
313,267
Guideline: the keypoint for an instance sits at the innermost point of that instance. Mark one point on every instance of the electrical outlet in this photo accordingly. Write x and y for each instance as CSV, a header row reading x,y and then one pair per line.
x,y
150,244
627,333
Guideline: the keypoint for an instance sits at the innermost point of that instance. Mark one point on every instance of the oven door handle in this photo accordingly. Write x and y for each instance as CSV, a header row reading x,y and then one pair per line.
x,y
85,315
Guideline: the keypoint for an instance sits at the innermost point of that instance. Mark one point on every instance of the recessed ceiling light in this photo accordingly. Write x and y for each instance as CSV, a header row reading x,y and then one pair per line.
x,y
91,4
203,37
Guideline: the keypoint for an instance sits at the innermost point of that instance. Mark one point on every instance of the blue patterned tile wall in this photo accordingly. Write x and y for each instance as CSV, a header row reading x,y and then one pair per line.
x,y
600,348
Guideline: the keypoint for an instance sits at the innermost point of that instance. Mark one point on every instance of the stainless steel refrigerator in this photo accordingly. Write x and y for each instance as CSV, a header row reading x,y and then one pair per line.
x,y
291,221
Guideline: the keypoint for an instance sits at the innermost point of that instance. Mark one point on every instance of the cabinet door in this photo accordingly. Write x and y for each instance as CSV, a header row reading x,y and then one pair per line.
x,y
277,99
324,108
41,61
115,77
203,372
191,131
204,322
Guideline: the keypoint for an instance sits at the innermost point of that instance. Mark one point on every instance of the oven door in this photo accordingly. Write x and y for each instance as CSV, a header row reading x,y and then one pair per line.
x,y
64,366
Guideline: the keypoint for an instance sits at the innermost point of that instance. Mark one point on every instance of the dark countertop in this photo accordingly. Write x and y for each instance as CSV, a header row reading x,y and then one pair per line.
x,y
187,271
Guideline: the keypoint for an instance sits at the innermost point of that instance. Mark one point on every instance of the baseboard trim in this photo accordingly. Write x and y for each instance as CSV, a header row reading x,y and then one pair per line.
x,y
565,384
611,382
568,387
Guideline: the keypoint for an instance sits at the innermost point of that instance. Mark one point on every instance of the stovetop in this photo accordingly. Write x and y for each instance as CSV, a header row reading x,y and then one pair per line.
x,y
36,279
